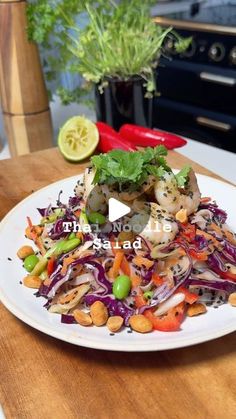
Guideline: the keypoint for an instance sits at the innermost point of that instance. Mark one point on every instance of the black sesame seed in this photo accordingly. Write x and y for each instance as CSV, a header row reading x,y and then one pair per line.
x,y
112,334
20,282
9,259
129,331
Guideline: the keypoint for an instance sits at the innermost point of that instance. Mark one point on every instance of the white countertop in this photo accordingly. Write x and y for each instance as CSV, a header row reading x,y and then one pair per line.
x,y
219,161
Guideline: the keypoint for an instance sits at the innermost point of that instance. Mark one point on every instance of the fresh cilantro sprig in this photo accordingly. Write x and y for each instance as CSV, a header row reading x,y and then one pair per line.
x,y
129,170
182,176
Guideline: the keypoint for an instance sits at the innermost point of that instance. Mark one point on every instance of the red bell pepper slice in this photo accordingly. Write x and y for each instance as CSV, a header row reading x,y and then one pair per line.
x,y
188,231
168,322
146,137
190,297
51,265
226,275
110,139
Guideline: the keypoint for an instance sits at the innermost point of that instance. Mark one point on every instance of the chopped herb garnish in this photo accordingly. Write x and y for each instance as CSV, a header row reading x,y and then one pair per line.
x,y
130,170
182,176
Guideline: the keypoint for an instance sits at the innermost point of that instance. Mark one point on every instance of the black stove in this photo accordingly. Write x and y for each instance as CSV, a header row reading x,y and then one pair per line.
x,y
198,88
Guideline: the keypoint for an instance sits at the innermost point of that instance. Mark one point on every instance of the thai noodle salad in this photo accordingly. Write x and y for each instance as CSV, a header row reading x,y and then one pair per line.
x,y
90,272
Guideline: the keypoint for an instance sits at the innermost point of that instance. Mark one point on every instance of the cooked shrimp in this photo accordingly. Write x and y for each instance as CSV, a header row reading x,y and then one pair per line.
x,y
111,192
170,197
79,188
159,227
91,194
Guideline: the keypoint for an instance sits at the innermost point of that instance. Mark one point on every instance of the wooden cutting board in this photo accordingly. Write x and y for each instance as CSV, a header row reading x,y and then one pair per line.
x,y
42,377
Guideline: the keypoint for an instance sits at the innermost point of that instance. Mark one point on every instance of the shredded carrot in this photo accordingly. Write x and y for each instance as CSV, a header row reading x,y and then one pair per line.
x,y
114,249
229,235
140,300
114,271
205,199
30,224
141,261
34,236
66,262
158,280
136,280
77,213
125,266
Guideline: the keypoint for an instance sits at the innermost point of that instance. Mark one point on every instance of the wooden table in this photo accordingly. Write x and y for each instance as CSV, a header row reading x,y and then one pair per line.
x,y
42,377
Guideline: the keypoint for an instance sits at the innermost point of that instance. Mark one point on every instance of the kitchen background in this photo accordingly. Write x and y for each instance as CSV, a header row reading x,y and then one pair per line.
x,y
197,88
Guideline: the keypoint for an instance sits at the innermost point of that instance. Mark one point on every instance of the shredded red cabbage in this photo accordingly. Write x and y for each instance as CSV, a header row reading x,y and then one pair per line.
x,y
57,231
68,319
59,279
218,213
216,262
229,251
115,308
74,201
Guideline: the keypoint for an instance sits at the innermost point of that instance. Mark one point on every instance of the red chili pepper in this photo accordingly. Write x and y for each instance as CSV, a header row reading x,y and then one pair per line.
x,y
146,137
110,139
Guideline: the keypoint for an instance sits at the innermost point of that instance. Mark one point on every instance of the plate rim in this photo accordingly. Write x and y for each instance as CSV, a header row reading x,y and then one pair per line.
x,y
89,343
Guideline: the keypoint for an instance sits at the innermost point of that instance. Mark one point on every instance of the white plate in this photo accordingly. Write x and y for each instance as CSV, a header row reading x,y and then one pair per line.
x,y
23,304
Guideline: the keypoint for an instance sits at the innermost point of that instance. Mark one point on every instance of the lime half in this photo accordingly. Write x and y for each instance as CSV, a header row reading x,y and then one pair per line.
x,y
78,138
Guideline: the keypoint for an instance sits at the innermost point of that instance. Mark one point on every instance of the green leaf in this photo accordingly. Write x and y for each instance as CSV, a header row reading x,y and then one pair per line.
x,y
182,176
120,40
129,170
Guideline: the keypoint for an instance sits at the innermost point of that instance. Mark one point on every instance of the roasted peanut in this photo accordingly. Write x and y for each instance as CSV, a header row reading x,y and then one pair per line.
x,y
82,318
114,323
32,281
140,323
231,268
232,299
99,313
196,309
182,216
25,251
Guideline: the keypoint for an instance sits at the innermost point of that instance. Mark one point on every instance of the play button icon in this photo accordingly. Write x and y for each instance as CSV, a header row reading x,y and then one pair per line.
x,y
120,214
117,209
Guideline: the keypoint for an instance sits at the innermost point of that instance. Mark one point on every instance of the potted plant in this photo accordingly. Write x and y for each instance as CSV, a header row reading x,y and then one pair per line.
x,y
117,52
